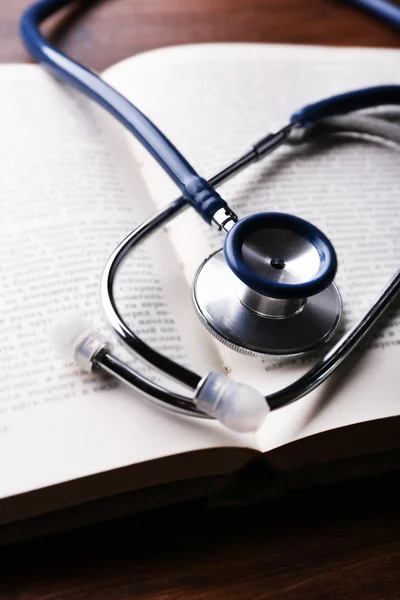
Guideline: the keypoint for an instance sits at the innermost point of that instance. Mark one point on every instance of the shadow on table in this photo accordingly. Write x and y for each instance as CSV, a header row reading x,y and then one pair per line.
x,y
346,537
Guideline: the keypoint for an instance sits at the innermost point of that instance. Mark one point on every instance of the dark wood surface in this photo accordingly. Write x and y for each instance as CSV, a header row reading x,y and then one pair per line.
x,y
341,542
107,31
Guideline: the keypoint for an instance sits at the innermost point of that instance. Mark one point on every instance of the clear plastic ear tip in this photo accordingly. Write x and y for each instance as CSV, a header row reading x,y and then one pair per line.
x,y
238,406
76,339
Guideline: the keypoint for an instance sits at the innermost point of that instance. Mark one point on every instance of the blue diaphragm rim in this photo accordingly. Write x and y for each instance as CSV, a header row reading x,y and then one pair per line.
x,y
274,289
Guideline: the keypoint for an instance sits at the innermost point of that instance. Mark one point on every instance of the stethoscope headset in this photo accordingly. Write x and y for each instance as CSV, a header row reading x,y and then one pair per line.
x,y
269,291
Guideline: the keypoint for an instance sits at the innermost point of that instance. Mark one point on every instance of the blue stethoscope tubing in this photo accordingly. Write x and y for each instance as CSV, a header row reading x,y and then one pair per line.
x,y
381,9
195,189
201,195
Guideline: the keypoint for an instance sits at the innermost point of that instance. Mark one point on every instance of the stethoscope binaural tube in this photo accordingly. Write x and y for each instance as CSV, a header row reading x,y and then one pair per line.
x,y
213,394
80,342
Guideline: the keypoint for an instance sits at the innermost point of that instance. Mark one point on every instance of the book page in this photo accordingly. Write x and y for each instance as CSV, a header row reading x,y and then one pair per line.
x,y
219,99
69,194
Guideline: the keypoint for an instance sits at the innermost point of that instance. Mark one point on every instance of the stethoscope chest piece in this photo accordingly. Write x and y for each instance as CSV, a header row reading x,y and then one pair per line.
x,y
270,290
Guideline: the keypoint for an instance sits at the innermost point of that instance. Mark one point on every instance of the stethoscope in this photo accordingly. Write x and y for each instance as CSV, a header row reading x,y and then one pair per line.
x,y
269,291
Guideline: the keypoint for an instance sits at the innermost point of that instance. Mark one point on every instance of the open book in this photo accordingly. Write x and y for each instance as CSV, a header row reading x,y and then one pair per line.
x,y
74,183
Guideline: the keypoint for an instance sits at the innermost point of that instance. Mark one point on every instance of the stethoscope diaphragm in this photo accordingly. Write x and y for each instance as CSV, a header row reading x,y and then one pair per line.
x,y
224,314
270,291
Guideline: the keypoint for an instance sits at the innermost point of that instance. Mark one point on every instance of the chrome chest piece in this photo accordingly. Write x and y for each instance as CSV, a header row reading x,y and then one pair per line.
x,y
270,291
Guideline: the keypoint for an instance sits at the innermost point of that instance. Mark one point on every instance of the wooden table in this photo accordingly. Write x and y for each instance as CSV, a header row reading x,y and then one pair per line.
x,y
342,542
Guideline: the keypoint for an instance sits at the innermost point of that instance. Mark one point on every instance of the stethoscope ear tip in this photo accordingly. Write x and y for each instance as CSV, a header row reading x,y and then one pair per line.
x,y
76,340
239,407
